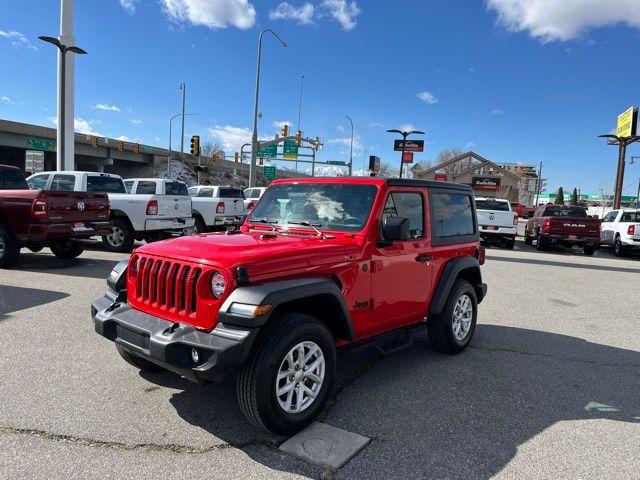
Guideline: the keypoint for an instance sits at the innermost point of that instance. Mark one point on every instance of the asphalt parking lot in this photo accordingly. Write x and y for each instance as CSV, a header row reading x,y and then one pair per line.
x,y
550,387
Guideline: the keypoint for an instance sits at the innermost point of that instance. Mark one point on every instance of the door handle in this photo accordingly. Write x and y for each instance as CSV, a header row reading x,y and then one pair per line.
x,y
423,258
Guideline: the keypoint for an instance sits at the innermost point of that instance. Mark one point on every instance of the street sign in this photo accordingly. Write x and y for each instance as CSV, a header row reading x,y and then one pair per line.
x,y
269,172
407,157
34,161
627,121
336,162
290,149
147,149
410,145
269,152
40,144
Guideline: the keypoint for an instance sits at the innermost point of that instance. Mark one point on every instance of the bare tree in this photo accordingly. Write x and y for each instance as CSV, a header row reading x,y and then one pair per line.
x,y
448,154
212,150
387,171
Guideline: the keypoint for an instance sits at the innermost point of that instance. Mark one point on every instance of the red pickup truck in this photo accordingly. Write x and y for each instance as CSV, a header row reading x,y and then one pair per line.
x,y
320,263
563,225
45,218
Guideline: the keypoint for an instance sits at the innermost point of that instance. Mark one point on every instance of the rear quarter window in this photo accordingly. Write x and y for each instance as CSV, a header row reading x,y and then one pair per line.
x,y
105,184
176,188
453,218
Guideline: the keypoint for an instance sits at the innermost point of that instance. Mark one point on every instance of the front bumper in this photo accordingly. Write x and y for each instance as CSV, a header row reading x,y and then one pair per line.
x,y
170,344
169,223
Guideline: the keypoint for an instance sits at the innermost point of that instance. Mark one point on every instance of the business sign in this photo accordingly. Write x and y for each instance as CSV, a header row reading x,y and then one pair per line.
x,y
627,121
269,172
290,149
34,161
409,145
40,144
440,177
485,183
269,152
407,157
374,163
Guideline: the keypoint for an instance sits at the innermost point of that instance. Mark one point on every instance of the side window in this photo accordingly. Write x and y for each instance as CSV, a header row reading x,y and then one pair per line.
x,y
63,182
38,182
146,188
409,205
128,184
176,188
206,192
610,217
452,215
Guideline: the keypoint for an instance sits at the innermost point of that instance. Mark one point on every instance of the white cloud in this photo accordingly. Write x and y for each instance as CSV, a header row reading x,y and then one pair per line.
x,y
471,144
407,127
343,12
124,138
80,125
129,5
427,97
285,11
341,128
106,107
346,142
17,39
136,121
550,20
212,13
5,99
231,138
497,111
281,123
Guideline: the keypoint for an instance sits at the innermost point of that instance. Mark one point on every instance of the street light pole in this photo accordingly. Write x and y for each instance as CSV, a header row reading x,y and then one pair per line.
x,y
254,136
351,147
62,112
622,143
538,186
404,143
300,108
183,87
170,132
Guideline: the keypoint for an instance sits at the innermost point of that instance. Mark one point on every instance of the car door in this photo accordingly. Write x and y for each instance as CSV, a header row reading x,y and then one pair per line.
x,y
401,272
607,232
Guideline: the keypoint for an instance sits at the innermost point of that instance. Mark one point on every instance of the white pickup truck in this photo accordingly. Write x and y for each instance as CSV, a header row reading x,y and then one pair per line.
x,y
621,230
133,216
216,206
496,220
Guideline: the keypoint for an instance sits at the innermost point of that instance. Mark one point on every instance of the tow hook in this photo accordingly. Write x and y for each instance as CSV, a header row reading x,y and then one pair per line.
x,y
171,329
113,306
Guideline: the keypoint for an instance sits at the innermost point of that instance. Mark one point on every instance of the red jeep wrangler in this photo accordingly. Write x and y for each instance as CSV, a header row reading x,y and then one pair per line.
x,y
318,264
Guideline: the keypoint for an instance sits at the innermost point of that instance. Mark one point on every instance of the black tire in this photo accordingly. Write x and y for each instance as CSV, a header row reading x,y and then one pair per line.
x,y
200,226
154,237
441,327
122,239
67,249
541,244
257,380
618,248
527,239
510,243
9,248
138,362
589,249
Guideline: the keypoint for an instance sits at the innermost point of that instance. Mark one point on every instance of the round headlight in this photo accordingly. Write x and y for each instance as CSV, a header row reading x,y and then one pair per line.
x,y
218,284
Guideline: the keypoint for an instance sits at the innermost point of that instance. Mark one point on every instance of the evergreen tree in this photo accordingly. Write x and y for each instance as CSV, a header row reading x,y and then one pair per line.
x,y
560,197
574,197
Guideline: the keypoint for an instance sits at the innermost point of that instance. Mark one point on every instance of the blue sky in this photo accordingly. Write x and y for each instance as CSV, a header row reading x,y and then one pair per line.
x,y
514,81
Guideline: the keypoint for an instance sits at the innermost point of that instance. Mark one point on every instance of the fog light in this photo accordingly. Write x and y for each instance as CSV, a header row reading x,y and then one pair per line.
x,y
195,356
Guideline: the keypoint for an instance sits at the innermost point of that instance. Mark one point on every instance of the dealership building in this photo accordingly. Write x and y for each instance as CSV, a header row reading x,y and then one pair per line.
x,y
514,182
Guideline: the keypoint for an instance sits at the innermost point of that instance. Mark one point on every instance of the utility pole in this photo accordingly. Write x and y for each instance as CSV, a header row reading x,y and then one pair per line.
x,y
638,195
538,186
300,109
351,147
183,87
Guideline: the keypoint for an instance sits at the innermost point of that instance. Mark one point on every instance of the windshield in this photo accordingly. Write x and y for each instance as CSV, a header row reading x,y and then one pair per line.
x,y
495,205
561,211
325,206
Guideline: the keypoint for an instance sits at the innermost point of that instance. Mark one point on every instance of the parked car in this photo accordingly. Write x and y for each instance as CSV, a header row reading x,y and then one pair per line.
x,y
35,219
522,211
319,263
621,230
216,206
563,225
251,196
496,220
134,217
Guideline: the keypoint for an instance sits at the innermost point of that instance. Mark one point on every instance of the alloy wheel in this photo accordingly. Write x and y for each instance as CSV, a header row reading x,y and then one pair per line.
x,y
116,237
300,377
462,317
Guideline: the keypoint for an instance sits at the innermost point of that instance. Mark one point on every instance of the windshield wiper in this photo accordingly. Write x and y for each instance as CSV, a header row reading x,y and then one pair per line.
x,y
310,225
266,221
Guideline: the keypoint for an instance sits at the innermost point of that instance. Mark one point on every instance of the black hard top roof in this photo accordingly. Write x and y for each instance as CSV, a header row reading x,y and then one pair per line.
x,y
406,182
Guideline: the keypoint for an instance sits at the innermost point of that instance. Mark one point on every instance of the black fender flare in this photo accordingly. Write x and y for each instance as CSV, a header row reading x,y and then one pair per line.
x,y
466,267
314,292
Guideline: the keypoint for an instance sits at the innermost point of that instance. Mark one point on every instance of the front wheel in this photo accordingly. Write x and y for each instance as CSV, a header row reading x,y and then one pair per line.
x,y
618,249
452,330
121,237
67,249
286,382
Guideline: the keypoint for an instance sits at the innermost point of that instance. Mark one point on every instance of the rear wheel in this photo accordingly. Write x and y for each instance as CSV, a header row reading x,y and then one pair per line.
x,y
286,382
510,243
589,249
154,237
9,249
618,249
452,330
121,237
200,226
527,239
67,249
541,244
138,362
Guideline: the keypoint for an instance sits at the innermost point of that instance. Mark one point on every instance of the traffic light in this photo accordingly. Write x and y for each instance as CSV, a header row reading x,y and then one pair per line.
x,y
236,157
136,148
285,131
299,135
261,160
94,141
121,145
195,145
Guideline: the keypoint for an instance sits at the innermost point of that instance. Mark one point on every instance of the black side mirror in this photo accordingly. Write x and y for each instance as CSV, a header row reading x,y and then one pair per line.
x,y
394,229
